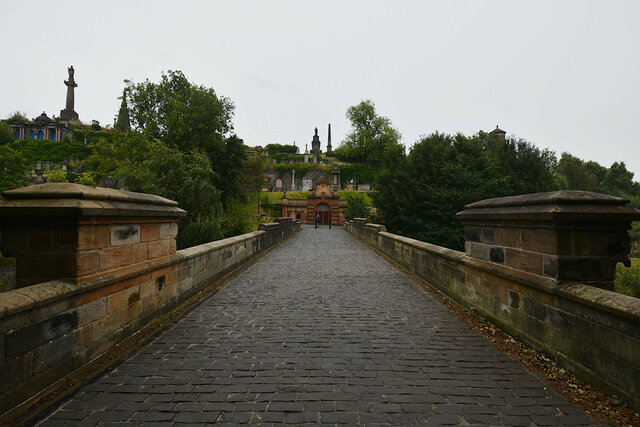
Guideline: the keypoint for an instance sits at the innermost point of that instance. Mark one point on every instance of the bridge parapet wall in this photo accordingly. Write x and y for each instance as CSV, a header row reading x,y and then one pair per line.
x,y
592,331
50,329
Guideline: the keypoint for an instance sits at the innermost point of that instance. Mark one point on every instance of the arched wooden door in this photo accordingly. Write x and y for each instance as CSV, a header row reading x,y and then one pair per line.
x,y
323,211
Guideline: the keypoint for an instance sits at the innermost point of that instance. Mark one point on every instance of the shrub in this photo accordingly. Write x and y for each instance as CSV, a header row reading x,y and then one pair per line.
x,y
628,279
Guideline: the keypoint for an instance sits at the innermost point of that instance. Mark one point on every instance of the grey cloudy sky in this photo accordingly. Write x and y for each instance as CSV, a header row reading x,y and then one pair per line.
x,y
564,75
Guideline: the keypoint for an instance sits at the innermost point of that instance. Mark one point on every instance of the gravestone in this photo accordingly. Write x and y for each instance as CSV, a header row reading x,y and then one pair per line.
x,y
307,184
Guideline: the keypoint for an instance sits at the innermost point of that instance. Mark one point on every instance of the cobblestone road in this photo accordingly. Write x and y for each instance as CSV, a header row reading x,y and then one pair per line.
x,y
320,330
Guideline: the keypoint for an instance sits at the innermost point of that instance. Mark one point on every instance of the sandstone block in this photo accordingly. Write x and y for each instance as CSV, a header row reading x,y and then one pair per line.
x,y
122,299
539,240
522,260
149,232
478,250
125,234
509,237
159,248
115,257
94,236
168,230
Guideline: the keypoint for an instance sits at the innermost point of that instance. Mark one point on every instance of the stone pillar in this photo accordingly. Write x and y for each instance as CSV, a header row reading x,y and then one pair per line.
x,y
572,236
75,232
69,113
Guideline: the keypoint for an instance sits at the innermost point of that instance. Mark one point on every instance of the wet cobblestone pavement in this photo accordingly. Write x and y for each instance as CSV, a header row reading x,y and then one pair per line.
x,y
320,330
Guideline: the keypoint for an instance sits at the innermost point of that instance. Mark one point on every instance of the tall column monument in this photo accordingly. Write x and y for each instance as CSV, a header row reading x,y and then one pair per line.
x,y
69,114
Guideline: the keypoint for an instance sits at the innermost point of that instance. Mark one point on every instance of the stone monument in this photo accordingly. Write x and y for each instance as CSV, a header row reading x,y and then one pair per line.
x,y
69,114
315,143
329,141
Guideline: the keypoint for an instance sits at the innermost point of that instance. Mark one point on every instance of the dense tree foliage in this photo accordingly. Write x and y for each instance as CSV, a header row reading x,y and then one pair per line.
x,y
122,122
372,140
441,174
187,117
253,177
576,174
5,134
420,196
527,168
147,165
13,169
281,149
46,150
355,206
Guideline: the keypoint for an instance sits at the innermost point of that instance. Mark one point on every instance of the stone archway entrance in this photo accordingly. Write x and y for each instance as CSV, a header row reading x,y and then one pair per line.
x,y
324,212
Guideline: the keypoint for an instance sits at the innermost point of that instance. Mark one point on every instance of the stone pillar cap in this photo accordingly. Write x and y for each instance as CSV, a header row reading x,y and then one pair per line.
x,y
83,200
564,205
564,197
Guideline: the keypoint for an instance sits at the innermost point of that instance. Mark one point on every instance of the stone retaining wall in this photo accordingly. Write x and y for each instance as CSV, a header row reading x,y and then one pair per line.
x,y
591,331
48,330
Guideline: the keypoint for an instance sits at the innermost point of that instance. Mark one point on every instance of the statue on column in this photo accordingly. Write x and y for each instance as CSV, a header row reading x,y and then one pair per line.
x,y
69,114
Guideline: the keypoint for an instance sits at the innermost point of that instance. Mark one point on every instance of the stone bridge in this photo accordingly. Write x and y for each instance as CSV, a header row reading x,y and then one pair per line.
x,y
319,329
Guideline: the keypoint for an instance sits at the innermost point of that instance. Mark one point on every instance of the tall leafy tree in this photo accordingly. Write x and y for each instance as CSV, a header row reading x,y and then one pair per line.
x,y
123,121
253,177
149,166
529,169
188,117
372,139
441,174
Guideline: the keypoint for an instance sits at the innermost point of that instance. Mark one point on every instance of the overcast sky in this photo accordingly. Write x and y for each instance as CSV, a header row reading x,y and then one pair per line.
x,y
564,75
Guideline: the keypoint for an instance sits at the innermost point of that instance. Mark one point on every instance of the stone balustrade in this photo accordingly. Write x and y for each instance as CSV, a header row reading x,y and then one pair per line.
x,y
542,266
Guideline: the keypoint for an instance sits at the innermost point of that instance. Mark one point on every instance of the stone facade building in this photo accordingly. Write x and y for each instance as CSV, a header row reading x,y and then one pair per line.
x,y
42,127
323,201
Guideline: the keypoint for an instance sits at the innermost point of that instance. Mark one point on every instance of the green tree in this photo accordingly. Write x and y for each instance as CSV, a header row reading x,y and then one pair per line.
x,y
185,177
13,169
421,195
355,206
5,134
188,117
529,169
578,175
618,180
253,177
123,122
372,139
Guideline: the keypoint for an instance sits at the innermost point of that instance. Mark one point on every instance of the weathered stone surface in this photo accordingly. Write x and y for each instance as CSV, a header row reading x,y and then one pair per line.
x,y
168,230
71,231
49,329
125,234
353,342
582,326
575,227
